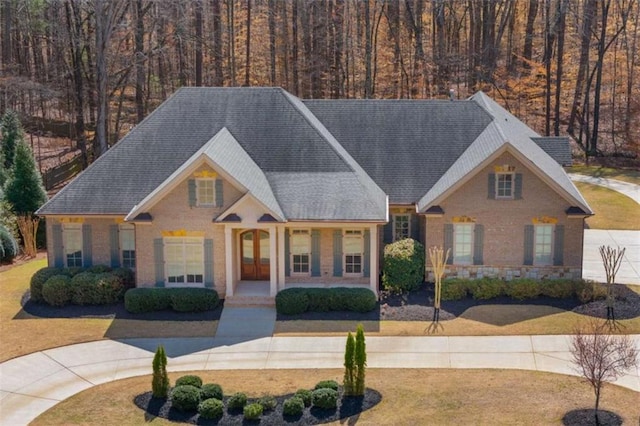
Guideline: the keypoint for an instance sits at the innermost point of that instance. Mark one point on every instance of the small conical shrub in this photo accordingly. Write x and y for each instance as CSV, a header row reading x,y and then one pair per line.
x,y
160,382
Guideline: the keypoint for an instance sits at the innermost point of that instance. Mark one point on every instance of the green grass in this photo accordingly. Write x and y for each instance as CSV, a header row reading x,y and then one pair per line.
x,y
612,209
625,175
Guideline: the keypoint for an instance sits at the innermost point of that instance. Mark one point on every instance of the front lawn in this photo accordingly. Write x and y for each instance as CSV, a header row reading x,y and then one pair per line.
x,y
612,209
24,330
434,396
625,175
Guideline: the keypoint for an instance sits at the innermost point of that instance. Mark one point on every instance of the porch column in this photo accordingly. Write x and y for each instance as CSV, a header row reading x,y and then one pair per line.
x,y
273,261
373,259
228,259
281,272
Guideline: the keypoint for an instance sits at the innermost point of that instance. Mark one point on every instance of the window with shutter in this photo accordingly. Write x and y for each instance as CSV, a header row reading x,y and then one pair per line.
x,y
300,249
72,235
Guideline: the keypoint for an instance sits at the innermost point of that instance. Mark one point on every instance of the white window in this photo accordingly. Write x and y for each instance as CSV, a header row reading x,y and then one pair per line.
x,y
543,247
73,244
504,185
300,251
206,192
353,249
128,245
184,260
463,243
401,226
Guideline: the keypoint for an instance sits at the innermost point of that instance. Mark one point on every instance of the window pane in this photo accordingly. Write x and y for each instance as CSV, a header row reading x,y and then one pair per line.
x,y
504,185
247,247
300,243
401,226
543,245
352,244
183,260
463,243
264,248
206,191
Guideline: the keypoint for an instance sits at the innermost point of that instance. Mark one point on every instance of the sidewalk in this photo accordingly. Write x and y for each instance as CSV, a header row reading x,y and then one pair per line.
x,y
34,383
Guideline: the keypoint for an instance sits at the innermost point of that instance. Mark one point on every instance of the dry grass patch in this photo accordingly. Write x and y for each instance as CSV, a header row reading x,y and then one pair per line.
x,y
625,175
22,333
612,209
435,396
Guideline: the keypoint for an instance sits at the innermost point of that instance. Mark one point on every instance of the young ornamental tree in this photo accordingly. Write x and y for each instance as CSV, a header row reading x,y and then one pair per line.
x,y
611,260
160,382
600,357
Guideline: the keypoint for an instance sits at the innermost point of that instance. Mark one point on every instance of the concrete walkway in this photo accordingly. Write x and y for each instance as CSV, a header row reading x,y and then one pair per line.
x,y
631,190
34,383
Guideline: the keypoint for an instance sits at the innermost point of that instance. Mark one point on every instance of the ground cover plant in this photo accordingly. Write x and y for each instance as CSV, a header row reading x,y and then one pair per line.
x,y
443,396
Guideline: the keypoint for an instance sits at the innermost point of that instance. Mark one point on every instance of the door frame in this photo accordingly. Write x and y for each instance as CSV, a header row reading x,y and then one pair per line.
x,y
259,271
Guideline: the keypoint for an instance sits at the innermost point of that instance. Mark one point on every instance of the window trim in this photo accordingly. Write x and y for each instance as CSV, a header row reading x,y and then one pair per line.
x,y
125,227
394,229
512,188
212,182
346,234
168,241
454,255
65,232
293,232
550,244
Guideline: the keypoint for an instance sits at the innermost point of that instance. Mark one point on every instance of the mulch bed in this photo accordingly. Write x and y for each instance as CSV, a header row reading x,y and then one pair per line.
x,y
347,407
586,417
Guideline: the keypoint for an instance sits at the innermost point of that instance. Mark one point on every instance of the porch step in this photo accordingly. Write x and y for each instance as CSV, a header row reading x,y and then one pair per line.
x,y
246,300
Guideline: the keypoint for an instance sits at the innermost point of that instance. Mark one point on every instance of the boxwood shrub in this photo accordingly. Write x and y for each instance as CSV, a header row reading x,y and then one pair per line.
x,y
327,384
138,300
39,278
560,288
211,408
293,406
237,401
487,288
268,402
325,398
211,390
523,288
190,380
455,289
56,291
305,395
252,411
403,266
96,288
8,245
185,398
293,301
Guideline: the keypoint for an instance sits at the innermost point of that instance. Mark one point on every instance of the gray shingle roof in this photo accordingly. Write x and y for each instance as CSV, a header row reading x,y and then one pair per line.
x,y
557,147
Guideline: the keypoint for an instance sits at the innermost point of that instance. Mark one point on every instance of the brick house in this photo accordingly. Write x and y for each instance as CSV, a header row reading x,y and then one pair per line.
x,y
233,187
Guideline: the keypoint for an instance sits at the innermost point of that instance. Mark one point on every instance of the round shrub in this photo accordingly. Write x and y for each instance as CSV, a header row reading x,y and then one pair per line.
x,y
8,245
211,408
403,266
193,299
560,289
39,278
305,395
99,269
486,288
127,277
293,406
73,271
325,398
327,384
454,289
237,401
524,288
110,288
138,300
85,290
359,299
189,380
185,398
292,301
252,411
211,390
56,291
268,402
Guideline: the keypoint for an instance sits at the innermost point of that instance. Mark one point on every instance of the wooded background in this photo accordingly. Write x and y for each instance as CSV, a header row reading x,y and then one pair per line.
x,y
90,70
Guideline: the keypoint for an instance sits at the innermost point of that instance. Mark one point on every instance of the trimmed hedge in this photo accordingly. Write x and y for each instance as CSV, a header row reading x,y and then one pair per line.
x,y
293,301
252,411
39,278
96,288
57,290
403,266
454,289
8,245
325,398
190,380
293,406
522,289
327,384
211,390
305,395
237,401
138,300
185,398
211,408
268,402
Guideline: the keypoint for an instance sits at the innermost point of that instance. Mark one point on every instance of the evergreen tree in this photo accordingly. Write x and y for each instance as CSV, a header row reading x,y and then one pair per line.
x,y
360,359
11,135
349,366
160,382
24,190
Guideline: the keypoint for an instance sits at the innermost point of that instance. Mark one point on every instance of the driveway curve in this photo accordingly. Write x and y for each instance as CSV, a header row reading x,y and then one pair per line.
x,y
34,383
631,190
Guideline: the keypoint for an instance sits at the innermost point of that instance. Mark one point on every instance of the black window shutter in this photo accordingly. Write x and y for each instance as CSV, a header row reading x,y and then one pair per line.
x,y
528,244
491,193
478,244
558,246
517,194
448,241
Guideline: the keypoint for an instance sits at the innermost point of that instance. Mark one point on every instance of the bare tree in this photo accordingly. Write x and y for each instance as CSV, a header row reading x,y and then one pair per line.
x,y
600,357
438,258
611,260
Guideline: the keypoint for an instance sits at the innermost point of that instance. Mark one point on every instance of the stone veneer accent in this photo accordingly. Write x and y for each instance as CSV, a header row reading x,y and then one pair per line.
x,y
509,273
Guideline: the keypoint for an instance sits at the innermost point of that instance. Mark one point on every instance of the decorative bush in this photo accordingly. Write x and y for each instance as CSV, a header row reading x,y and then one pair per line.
x,y
305,395
185,398
56,291
160,381
293,301
193,299
138,300
325,398
98,269
96,288
8,245
211,408
523,288
189,380
72,272
327,384
486,288
110,288
587,291
127,277
559,289
454,289
268,402
39,278
252,411
403,265
237,401
293,406
211,390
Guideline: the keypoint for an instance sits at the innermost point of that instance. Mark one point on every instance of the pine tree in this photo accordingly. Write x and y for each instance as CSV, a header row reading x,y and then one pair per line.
x,y
160,382
11,134
349,366
24,191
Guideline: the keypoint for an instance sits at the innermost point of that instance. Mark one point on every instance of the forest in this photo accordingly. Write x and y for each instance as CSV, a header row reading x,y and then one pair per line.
x,y
87,71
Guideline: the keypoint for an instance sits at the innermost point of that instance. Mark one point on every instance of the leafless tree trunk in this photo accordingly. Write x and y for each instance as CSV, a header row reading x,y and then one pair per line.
x,y
218,77
527,50
247,69
197,10
272,41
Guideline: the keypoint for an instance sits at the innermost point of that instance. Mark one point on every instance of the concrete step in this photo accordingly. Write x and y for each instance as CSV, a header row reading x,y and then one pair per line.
x,y
249,301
